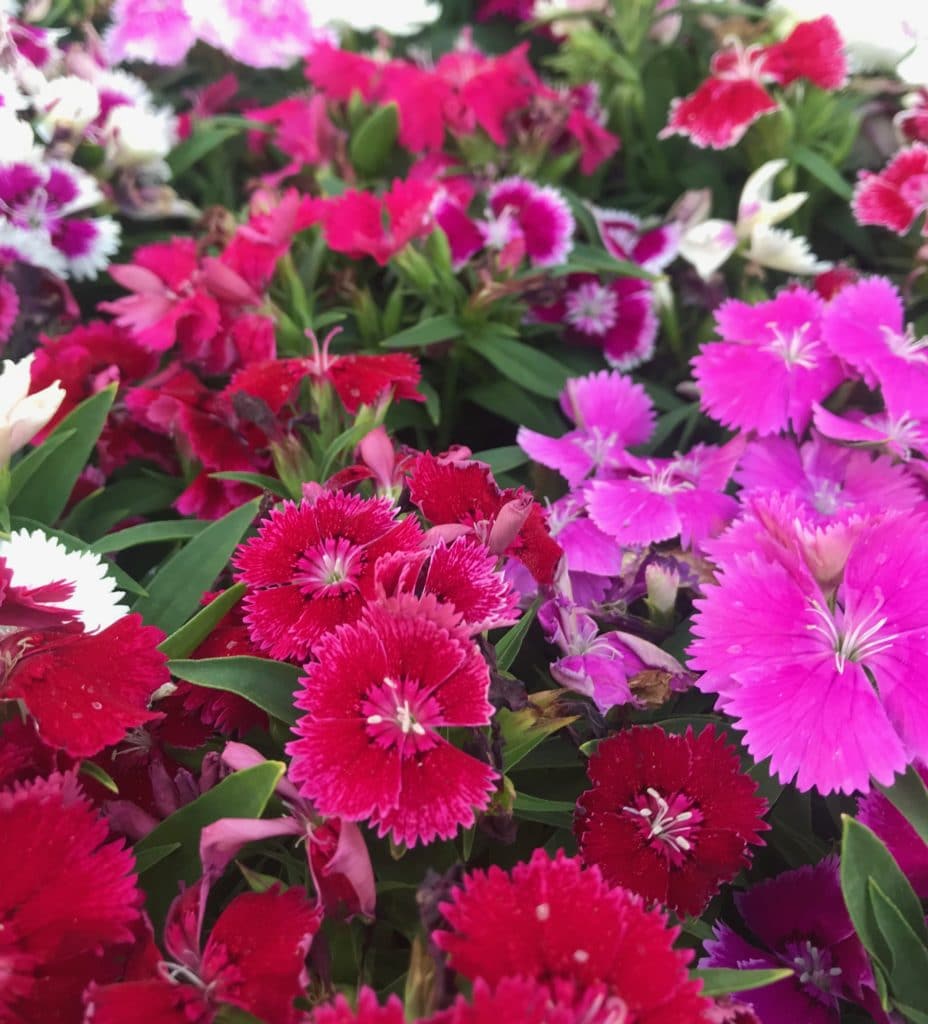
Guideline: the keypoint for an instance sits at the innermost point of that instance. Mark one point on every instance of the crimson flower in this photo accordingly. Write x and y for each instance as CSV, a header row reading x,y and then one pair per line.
x,y
526,1001
464,493
85,690
669,817
369,746
311,567
253,960
896,196
369,1011
68,902
553,919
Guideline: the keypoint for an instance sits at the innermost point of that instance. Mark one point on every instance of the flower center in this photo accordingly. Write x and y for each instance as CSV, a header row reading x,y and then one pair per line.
x,y
795,348
331,567
398,713
592,308
827,497
812,965
662,481
850,640
906,345
670,825
596,445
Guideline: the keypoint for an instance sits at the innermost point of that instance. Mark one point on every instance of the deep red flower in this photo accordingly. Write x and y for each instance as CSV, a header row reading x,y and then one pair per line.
x,y
311,567
896,196
369,1011
814,50
462,576
719,112
669,817
86,360
68,902
253,960
509,522
364,380
369,746
85,689
527,1001
552,919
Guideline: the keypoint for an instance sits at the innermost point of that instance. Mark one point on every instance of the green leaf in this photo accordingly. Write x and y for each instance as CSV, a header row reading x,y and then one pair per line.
x,y
43,492
266,483
372,142
427,332
93,771
548,812
911,1014
512,403
508,646
270,685
142,494
175,591
525,729
501,460
205,137
864,857
821,169
589,258
149,858
242,795
149,533
32,461
192,633
720,981
909,796
528,367
908,955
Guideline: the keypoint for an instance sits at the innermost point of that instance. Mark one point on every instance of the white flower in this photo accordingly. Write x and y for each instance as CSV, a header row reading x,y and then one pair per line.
x,y
19,145
23,415
36,559
139,135
88,265
68,102
708,243
400,18
32,246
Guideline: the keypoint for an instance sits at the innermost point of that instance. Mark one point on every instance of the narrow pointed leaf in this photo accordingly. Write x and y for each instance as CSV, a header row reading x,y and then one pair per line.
x,y
192,633
270,685
720,981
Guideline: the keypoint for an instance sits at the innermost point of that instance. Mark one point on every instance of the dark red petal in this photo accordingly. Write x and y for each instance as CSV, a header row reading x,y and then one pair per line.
x,y
719,112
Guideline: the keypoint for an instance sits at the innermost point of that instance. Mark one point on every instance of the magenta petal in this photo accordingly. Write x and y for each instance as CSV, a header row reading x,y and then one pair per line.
x,y
221,841
566,454
856,323
631,512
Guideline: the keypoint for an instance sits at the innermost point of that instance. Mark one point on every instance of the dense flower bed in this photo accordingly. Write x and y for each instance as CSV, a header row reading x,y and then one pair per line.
x,y
463,513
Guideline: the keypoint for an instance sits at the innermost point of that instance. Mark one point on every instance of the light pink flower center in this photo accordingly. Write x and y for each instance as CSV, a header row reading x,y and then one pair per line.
x,y
906,345
592,308
332,566
812,965
662,481
851,640
400,713
670,826
794,348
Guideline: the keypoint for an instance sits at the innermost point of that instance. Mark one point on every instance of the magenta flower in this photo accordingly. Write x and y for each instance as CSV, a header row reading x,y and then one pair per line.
x,y
865,325
586,548
369,746
905,844
827,479
658,499
311,567
799,921
792,654
771,365
894,431
898,195
611,413
625,237
532,219
616,316
154,31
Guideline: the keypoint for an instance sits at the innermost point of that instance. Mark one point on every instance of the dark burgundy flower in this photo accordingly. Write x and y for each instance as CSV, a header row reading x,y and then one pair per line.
x,y
669,817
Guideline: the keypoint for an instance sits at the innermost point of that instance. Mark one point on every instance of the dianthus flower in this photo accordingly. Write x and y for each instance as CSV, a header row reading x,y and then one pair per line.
x,y
771,365
85,689
657,499
69,899
669,817
828,480
616,316
253,959
369,1011
526,1001
865,326
800,921
791,647
462,493
311,567
909,850
625,237
553,920
528,220
722,109
896,196
369,746
610,413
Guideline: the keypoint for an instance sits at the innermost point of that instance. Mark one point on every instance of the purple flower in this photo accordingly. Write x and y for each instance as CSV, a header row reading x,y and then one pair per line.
x,y
610,413
771,365
824,676
826,478
799,921
658,499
